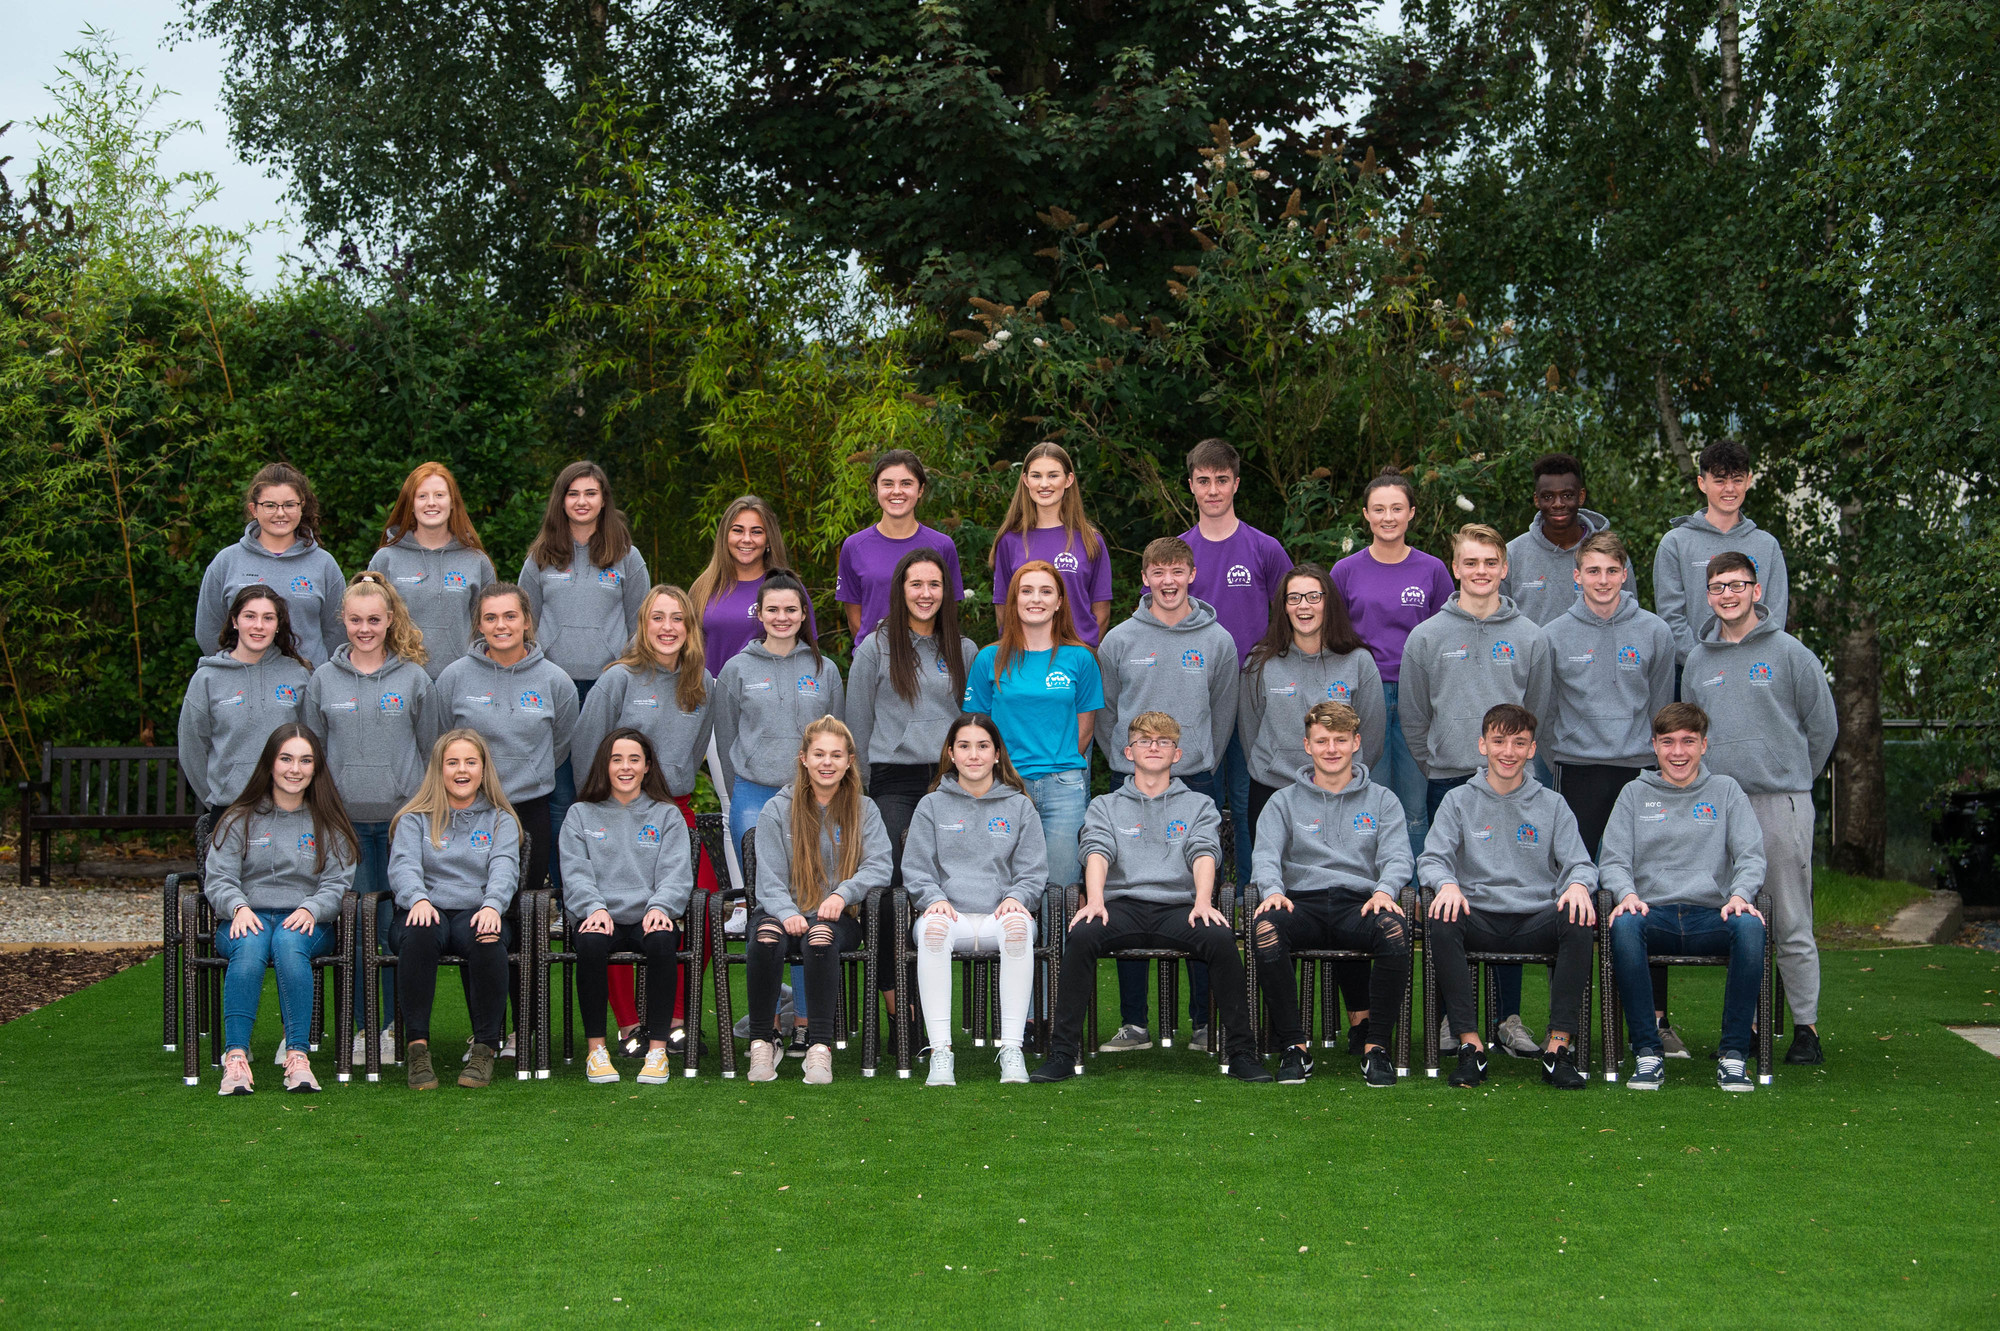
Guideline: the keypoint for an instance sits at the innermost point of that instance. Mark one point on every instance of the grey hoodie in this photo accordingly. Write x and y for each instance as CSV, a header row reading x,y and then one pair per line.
x,y
1680,572
626,859
478,865
229,710
525,711
1275,695
1771,723
763,704
1189,671
1510,854
975,852
1611,676
774,857
1697,846
584,615
1152,841
888,729
644,700
1353,844
265,862
1455,667
305,575
378,729
439,586
1540,573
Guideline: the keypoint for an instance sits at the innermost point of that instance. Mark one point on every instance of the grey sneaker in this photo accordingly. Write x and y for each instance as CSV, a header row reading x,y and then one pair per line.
x,y
1671,1045
941,1068
479,1067
819,1065
1447,1038
1126,1040
1200,1041
1516,1040
1649,1072
1013,1066
1730,1073
278,1058
787,1014
797,1048
763,1061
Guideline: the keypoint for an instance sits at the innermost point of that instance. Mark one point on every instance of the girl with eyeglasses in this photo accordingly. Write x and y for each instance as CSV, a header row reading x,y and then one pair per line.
x,y
279,549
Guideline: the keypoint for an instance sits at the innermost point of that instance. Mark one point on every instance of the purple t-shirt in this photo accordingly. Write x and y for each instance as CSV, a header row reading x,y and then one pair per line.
x,y
1386,601
868,558
1084,580
1238,577
730,621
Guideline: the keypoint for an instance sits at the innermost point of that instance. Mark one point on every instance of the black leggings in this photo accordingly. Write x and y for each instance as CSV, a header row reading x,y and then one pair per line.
x,y
534,815
593,974
418,948
1351,975
819,947
896,788
1320,920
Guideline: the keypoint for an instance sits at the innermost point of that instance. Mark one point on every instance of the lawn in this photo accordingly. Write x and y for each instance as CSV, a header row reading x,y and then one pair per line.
x,y
1152,1193
1848,909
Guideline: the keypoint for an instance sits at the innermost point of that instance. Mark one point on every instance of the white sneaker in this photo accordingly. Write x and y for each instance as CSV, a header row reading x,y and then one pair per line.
x,y
1516,1040
819,1065
764,1059
1447,1038
1013,1067
941,1068
283,1049
388,1045
738,922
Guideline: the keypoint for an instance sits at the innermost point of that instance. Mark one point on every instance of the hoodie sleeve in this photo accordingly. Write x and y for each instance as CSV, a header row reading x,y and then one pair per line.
x,y
1660,666
1614,849
1250,703
432,714
861,698
878,862
595,720
332,628
1267,858
1030,862
581,893
637,583
1670,594
836,690
673,867
1108,649
1777,586
1814,701
1223,686
1393,860
222,870
723,717
311,715
1372,706
1205,837
774,863
1746,847
192,735
1540,694
335,878
1438,864
503,865
1097,838
920,866
1413,706
406,860
531,587
564,691
209,610
1571,858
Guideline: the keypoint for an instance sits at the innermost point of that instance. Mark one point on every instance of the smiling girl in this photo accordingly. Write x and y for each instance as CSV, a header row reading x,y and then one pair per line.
x,y
1045,520
432,556
239,695
869,557
279,549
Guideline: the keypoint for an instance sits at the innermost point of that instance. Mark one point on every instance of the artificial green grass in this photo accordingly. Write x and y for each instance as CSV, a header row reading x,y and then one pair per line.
x,y
1859,903
1152,1192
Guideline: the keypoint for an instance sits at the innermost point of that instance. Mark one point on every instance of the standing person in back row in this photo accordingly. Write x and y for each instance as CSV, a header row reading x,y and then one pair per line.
x,y
1680,565
869,557
1171,656
1772,728
279,549
1541,561
432,556
584,580
1045,520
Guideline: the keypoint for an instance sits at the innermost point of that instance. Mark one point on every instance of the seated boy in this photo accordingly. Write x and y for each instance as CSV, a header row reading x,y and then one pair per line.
x,y
1683,855
1510,874
1332,854
1150,850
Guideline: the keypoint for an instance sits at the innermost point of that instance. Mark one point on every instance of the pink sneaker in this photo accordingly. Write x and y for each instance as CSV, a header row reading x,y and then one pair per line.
x,y
236,1079
299,1077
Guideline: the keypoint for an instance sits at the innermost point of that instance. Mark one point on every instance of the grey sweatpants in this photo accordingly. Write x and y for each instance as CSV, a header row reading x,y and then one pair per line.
x,y
1787,821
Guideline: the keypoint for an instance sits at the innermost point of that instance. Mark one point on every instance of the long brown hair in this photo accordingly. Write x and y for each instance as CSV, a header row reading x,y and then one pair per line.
x,y
1020,517
284,473
431,800
404,638
286,639
597,785
608,544
895,627
1003,766
1337,630
403,515
641,654
719,578
810,879
1013,639
329,814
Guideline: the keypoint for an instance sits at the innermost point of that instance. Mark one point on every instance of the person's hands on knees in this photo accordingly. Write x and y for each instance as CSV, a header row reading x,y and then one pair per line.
x,y
244,921
1448,904
1575,903
656,920
597,922
486,925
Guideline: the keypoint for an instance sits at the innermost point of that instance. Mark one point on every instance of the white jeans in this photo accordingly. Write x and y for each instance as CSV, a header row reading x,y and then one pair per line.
x,y
938,936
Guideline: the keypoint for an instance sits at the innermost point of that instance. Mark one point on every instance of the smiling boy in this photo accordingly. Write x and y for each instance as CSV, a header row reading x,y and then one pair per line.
x,y
1680,565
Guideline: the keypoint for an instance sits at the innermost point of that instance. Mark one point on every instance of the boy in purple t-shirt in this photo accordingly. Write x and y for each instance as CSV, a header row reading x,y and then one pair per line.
x,y
869,557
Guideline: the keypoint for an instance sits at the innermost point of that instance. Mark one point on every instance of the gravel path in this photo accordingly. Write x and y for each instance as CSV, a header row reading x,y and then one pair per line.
x,y
79,910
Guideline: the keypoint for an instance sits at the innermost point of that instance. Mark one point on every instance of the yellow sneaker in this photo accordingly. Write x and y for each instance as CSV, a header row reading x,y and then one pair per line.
x,y
656,1072
598,1067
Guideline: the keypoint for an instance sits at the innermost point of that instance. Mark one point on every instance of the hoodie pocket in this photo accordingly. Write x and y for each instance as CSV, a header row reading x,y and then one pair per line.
x,y
367,783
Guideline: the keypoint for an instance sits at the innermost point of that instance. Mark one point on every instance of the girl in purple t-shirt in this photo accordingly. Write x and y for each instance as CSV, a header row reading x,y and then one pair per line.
x,y
868,558
1045,520
748,544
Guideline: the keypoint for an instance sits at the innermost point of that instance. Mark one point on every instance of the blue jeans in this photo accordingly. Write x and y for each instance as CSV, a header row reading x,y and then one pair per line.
x,y
1688,931
1398,771
564,793
371,874
1061,799
290,954
747,799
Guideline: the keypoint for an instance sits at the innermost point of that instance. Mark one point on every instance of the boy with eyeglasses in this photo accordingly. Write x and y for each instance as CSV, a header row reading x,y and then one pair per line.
x,y
1773,726
1680,565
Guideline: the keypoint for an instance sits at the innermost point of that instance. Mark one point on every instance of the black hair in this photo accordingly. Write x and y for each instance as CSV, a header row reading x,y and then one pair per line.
x,y
784,580
1725,457
1557,464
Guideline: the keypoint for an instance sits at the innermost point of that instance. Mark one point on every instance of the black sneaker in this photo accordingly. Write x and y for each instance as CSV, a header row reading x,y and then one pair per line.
x,y
1805,1047
799,1044
1059,1067
1357,1040
677,1042
1471,1068
635,1044
1294,1066
1246,1066
1380,1069
1560,1071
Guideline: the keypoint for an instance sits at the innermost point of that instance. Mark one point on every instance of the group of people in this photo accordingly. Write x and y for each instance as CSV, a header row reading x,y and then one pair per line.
x,y
1507,733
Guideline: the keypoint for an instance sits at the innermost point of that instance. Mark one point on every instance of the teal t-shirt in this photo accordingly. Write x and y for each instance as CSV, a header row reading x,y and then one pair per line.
x,y
1036,705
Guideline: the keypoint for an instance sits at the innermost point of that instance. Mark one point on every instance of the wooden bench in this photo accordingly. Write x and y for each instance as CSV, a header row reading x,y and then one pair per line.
x,y
106,790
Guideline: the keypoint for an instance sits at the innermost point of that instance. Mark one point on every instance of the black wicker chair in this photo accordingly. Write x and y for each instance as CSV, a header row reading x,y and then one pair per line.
x,y
201,967
526,915
1614,1015
858,995
1313,970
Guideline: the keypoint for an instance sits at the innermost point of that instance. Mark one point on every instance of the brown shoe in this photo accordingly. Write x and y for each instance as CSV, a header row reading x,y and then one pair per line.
x,y
479,1068
417,1059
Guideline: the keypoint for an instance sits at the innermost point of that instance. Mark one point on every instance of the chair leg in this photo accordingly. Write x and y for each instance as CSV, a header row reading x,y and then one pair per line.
x,y
1430,1016
1490,986
725,1017
170,938
1332,1007
1169,1008
1400,1039
190,1033
1769,991
371,991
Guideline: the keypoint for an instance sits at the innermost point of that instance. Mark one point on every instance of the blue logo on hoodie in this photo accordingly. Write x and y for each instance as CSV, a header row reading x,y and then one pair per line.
x,y
1527,835
287,695
1177,829
1338,691
454,579
302,586
1364,824
1704,812
809,685
609,577
649,835
480,838
307,845
531,701
1192,659
1629,658
998,827
392,704
1503,650
1760,673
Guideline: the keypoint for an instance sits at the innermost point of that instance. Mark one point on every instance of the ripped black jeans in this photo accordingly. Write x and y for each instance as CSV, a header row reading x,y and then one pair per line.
x,y
819,947
1322,920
